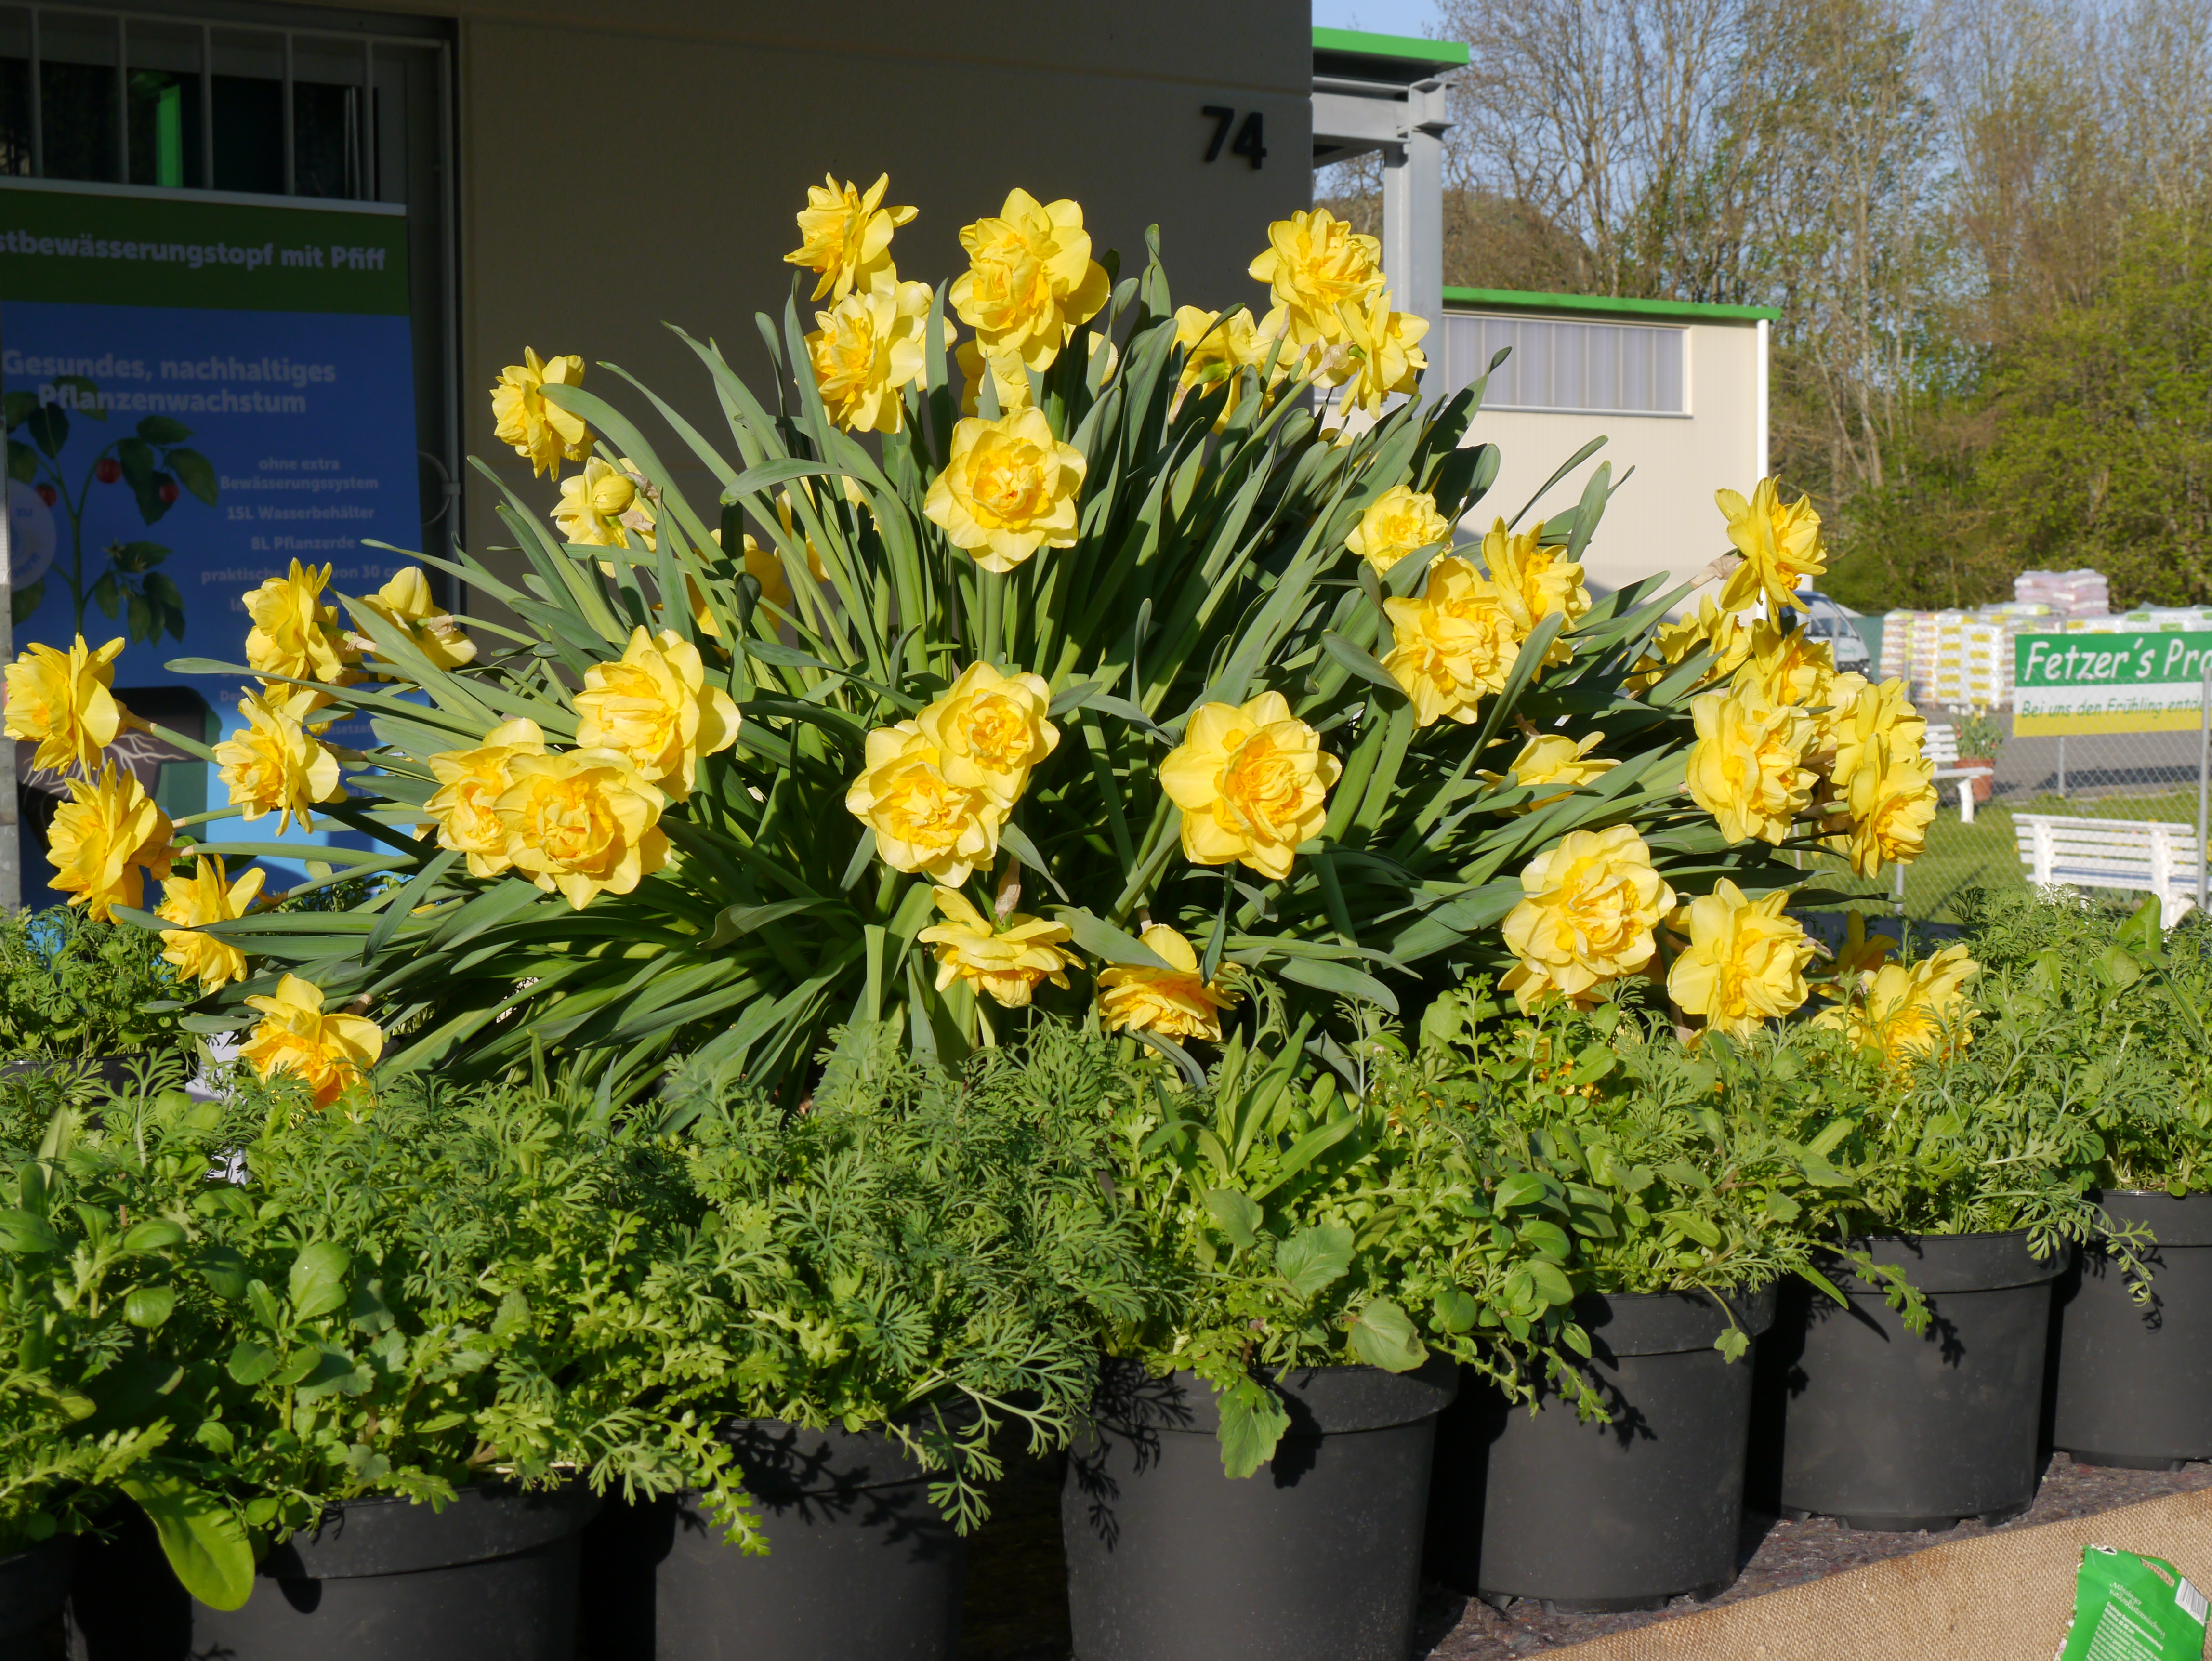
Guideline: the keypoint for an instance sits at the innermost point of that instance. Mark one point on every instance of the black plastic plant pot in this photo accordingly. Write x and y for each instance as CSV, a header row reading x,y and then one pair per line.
x,y
1891,1432
1590,1516
860,1566
493,1573
2133,1384
33,1586
1315,1557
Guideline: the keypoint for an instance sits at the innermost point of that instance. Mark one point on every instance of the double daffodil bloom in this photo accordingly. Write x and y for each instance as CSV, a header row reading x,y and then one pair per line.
x,y
1030,279
64,700
1592,902
294,1036
1006,960
193,902
276,762
1176,1001
846,235
1253,783
540,430
102,836
1745,964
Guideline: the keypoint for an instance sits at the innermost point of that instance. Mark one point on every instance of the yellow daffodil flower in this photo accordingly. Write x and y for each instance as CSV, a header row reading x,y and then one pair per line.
x,y
867,347
1253,783
471,781
294,634
1745,964
990,730
1724,634
1745,767
1788,668
1862,953
1176,1002
655,708
582,823
1781,546
924,823
1903,1015
1008,488
600,504
294,1036
195,901
1313,265
1534,581
101,836
277,764
1400,522
1590,904
1030,279
405,603
64,700
1551,758
1218,346
1006,960
1890,794
1010,379
845,236
540,430
1454,644
1381,356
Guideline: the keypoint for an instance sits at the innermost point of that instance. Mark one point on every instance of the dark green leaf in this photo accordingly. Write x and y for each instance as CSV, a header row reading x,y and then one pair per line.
x,y
1383,1336
1314,1258
202,1537
1253,1421
318,1282
27,1235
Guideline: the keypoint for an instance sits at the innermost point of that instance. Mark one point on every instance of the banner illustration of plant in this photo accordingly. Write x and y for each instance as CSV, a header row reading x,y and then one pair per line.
x,y
157,469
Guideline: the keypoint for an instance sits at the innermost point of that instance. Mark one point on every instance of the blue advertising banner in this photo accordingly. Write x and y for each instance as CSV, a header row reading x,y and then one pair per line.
x,y
199,389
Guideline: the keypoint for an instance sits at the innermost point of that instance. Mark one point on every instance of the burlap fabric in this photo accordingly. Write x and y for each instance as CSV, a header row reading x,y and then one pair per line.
x,y
2002,1597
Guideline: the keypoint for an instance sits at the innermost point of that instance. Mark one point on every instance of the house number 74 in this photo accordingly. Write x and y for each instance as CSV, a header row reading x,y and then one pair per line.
x,y
1250,138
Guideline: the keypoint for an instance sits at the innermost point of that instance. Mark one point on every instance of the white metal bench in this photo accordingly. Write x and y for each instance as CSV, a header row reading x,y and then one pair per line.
x,y
2161,859
1942,747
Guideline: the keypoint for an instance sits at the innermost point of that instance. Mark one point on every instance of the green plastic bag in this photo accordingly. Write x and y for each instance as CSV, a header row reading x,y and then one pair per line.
x,y
2128,1607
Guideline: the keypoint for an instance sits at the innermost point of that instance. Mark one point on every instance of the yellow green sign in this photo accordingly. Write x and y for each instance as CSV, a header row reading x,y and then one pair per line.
x,y
2141,681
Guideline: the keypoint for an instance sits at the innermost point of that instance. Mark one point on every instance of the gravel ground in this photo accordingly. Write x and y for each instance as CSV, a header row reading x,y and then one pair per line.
x,y
1016,1608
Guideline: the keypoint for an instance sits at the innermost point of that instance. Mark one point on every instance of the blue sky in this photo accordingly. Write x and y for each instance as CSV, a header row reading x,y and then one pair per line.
x,y
1379,16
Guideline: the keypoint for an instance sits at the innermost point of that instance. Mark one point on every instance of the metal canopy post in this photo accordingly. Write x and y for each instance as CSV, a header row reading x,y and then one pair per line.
x,y
1381,94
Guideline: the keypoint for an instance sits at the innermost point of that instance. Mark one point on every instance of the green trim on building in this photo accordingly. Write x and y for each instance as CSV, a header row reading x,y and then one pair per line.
x,y
1357,42
1516,300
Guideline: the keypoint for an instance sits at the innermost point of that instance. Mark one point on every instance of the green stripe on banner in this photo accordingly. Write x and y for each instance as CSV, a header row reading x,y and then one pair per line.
x,y
113,245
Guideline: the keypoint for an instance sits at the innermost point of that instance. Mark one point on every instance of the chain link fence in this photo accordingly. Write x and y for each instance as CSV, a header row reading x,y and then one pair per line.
x,y
2113,780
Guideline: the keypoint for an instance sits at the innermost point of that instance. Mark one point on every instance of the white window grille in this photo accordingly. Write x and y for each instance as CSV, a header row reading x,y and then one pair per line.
x,y
1556,363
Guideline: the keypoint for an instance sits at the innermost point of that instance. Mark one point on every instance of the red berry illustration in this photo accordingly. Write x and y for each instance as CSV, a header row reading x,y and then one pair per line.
x,y
167,490
108,470
48,495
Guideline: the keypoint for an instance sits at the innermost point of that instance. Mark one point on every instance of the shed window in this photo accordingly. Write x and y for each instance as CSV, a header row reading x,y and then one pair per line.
x,y
1600,368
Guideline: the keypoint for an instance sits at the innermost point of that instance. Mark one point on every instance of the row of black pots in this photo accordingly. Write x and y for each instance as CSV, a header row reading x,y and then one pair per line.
x,y
1319,1554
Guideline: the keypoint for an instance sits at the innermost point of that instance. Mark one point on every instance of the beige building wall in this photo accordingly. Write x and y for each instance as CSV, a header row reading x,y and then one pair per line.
x,y
1662,517
621,165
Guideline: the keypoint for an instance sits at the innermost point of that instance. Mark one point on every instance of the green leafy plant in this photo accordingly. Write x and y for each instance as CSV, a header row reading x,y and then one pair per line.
x,y
431,1293
1979,736
1676,1169
1303,1225
929,1254
2129,1006
71,987
80,1320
